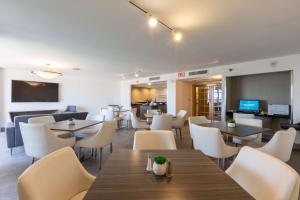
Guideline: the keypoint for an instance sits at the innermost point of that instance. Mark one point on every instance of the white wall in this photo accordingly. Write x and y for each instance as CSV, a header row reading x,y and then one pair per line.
x,y
284,63
88,93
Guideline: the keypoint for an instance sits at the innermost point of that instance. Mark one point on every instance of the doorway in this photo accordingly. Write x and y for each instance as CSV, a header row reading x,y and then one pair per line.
x,y
201,96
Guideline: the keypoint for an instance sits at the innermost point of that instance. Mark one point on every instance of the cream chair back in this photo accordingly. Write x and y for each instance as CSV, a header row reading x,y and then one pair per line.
x,y
134,120
109,113
154,140
263,176
58,175
281,144
42,120
180,119
208,140
243,115
103,137
196,120
39,141
252,122
161,122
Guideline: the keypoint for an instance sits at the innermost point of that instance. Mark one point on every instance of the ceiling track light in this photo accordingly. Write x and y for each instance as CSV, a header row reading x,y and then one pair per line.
x,y
154,21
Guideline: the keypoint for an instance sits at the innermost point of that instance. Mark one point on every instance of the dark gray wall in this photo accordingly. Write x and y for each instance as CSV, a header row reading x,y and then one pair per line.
x,y
271,88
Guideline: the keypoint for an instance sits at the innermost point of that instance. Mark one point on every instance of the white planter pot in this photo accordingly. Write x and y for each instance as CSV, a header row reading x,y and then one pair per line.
x,y
159,169
231,125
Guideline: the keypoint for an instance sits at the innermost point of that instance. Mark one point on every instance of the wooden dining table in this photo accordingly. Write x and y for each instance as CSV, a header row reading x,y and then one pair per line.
x,y
194,176
239,131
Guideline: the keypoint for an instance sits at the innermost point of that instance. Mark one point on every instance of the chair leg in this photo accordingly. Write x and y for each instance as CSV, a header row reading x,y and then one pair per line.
x,y
11,151
111,147
192,146
100,157
218,162
180,134
33,159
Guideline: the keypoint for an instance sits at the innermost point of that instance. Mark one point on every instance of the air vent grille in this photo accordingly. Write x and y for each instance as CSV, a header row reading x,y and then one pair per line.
x,y
198,72
154,78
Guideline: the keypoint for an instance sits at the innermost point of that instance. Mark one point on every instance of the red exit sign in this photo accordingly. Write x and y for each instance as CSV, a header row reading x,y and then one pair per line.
x,y
181,74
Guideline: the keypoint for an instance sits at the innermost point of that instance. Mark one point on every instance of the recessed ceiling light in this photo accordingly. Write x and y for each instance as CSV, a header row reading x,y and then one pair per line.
x,y
136,75
76,68
149,83
177,36
152,22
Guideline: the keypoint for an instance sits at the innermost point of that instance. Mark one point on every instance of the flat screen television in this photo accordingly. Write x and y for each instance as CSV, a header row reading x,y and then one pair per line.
x,y
32,91
249,105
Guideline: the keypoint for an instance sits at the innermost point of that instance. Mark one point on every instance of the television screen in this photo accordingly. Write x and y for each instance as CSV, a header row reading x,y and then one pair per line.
x,y
32,91
249,105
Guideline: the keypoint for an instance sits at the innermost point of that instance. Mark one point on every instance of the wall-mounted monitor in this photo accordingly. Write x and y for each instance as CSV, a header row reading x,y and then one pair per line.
x,y
249,105
32,91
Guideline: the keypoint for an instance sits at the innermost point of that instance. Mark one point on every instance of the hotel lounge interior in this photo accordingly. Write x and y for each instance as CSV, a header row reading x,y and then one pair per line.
x,y
140,99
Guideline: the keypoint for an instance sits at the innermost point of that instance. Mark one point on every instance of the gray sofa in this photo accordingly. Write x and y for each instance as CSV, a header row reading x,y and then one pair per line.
x,y
13,133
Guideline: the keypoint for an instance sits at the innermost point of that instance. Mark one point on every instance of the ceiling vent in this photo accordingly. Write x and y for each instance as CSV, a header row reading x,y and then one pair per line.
x,y
198,72
154,78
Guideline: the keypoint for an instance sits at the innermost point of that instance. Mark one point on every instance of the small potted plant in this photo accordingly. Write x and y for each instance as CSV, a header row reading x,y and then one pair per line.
x,y
71,121
231,123
160,165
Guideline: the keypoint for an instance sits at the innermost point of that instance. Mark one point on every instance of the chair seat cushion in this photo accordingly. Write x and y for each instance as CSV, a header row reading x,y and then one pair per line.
x,y
79,196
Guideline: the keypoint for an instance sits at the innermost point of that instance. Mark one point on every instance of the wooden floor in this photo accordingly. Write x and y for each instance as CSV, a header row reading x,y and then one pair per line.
x,y
12,166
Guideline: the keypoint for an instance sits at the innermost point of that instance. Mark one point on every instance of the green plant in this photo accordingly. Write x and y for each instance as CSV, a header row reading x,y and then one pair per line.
x,y
231,120
160,160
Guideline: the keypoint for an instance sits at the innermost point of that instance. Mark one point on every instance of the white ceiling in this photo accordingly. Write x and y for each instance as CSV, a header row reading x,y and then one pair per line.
x,y
109,37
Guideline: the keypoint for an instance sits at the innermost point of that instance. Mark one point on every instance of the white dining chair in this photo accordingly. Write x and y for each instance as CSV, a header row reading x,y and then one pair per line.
x,y
252,139
243,115
264,176
58,175
101,139
39,140
161,122
196,120
154,140
126,116
281,144
137,124
211,143
91,130
178,123
47,120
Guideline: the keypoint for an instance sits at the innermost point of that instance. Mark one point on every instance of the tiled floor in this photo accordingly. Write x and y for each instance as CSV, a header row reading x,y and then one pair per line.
x,y
12,166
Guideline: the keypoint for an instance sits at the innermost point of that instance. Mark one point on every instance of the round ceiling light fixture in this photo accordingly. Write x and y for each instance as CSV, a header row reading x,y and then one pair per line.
x,y
152,22
177,36
149,83
136,75
47,73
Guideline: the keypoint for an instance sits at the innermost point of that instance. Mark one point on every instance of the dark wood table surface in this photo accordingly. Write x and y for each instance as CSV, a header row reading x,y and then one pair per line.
x,y
239,130
79,124
194,176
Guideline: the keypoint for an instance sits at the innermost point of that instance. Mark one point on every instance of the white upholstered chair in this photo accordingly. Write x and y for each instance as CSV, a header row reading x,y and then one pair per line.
x,y
47,120
263,176
178,123
211,143
126,116
94,129
243,115
39,141
137,124
58,175
161,122
281,144
101,139
154,140
196,120
252,139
